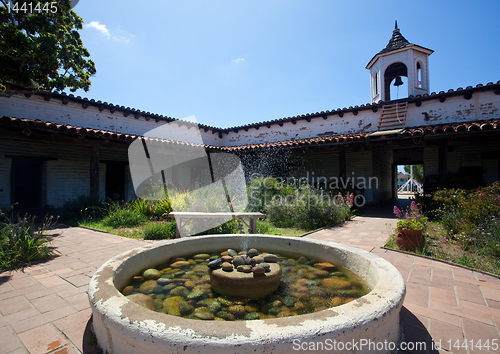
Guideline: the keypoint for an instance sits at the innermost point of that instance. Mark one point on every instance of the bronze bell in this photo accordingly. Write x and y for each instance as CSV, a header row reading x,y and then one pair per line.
x,y
398,81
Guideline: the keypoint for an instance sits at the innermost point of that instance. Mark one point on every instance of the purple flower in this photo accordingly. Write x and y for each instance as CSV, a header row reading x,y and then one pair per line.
x,y
397,212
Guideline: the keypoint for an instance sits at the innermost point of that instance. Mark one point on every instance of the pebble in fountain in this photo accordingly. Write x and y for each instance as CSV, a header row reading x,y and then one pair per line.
x,y
247,274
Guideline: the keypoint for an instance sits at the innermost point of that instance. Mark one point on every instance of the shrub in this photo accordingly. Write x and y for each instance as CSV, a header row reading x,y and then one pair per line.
x,y
303,206
81,206
151,208
160,231
21,242
123,218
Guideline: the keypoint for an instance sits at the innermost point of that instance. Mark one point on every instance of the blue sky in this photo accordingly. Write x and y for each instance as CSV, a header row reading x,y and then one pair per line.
x,y
234,62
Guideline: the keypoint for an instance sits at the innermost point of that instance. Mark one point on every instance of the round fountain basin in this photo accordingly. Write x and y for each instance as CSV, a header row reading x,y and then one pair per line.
x,y
123,327
246,284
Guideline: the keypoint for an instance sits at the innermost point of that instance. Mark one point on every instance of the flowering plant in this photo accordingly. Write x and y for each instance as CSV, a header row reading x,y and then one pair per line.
x,y
411,219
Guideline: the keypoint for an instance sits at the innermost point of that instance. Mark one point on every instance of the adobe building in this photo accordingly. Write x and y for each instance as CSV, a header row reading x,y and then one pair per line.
x,y
55,147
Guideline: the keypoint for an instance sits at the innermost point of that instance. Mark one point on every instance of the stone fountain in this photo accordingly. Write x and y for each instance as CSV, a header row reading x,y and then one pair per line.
x,y
123,327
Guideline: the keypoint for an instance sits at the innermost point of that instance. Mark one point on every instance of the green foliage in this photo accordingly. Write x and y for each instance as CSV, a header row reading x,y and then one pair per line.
x,y
288,205
152,208
22,242
123,218
160,231
43,49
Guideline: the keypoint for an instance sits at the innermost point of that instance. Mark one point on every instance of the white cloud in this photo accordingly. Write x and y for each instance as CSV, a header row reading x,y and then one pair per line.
x,y
238,61
100,27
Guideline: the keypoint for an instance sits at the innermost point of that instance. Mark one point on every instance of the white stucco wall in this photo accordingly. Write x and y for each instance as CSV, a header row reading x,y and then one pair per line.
x,y
482,106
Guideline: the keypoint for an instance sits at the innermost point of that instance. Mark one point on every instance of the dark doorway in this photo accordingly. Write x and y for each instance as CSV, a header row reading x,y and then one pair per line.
x,y
27,182
115,180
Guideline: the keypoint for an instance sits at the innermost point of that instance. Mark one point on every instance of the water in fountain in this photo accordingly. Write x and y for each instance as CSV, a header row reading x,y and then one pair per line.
x,y
182,287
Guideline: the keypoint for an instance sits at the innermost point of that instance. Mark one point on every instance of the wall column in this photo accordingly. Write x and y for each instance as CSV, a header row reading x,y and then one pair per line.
x,y
94,172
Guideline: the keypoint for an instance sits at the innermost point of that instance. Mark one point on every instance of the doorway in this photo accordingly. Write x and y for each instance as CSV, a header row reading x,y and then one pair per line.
x,y
115,180
27,176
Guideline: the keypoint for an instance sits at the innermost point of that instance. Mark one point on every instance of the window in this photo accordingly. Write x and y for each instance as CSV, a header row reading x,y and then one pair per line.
x,y
419,75
375,83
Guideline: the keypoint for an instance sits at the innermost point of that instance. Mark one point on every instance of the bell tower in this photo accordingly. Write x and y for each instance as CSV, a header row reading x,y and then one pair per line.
x,y
399,58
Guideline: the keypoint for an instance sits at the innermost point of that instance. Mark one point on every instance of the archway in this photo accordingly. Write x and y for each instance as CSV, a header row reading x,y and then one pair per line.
x,y
391,73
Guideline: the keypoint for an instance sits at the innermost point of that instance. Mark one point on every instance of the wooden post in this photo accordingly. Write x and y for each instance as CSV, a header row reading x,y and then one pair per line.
x,y
253,223
443,161
94,172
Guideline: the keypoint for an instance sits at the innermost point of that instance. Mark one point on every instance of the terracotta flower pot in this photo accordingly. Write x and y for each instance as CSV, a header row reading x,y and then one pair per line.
x,y
409,240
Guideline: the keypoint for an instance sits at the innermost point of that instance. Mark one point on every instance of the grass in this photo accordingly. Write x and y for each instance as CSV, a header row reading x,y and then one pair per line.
x,y
439,245
159,230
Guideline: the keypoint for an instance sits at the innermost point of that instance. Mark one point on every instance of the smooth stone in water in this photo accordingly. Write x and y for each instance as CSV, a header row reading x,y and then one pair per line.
x,y
252,252
196,294
274,310
264,265
151,274
325,266
252,316
258,271
180,291
185,308
224,302
302,259
228,259
321,273
142,300
203,315
180,264
139,278
271,258
250,261
202,256
127,290
214,264
237,261
227,267
232,253
171,305
288,301
163,281
158,289
258,259
237,310
147,287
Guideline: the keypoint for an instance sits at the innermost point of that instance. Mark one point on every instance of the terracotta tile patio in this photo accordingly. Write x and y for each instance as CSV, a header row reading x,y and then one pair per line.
x,y
46,310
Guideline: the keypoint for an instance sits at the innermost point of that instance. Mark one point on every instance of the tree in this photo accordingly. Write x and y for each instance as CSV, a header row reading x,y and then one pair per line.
x,y
40,46
418,172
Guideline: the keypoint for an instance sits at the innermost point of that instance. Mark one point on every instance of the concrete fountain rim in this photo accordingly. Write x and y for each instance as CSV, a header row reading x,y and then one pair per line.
x,y
114,311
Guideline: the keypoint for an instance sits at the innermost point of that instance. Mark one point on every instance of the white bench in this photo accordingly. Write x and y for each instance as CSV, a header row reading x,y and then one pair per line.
x,y
183,218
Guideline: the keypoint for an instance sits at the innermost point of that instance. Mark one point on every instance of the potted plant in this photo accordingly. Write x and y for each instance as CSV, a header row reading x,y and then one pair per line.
x,y
410,228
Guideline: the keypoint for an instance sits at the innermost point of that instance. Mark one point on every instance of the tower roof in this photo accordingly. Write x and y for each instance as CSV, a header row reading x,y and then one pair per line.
x,y
397,41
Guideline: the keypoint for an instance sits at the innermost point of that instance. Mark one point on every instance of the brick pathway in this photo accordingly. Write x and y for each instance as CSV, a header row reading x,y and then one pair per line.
x,y
444,303
46,310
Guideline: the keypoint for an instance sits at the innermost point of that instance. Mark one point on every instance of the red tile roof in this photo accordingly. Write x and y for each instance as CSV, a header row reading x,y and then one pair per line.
x,y
454,128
